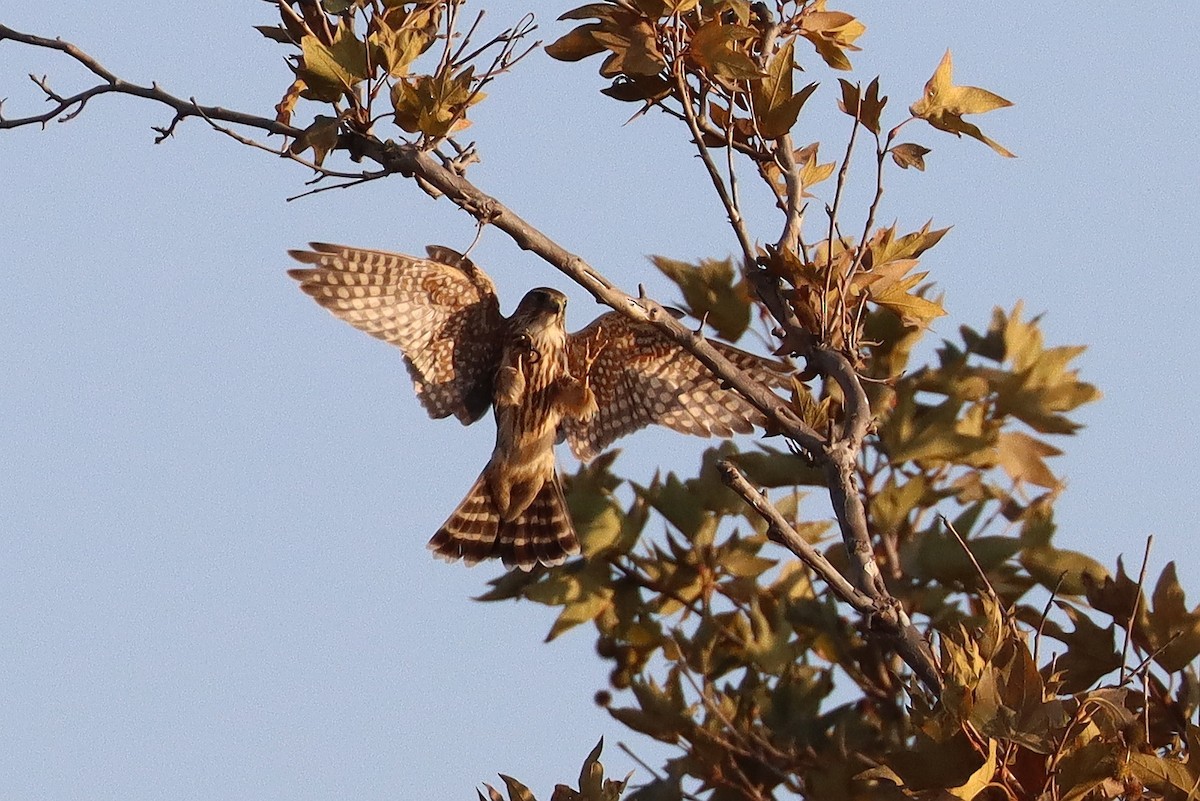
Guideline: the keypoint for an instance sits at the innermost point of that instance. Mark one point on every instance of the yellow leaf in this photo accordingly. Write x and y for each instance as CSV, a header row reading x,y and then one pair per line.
x,y
812,173
832,33
944,104
332,71
912,309
1023,458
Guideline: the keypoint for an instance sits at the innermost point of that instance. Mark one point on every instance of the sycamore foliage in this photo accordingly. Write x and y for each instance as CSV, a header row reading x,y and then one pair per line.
x,y
1061,680
721,643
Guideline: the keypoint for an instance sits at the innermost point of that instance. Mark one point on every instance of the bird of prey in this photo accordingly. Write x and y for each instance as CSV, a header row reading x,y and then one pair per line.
x,y
589,388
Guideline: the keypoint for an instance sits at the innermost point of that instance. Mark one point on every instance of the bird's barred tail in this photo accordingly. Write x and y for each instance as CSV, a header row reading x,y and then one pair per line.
x,y
542,533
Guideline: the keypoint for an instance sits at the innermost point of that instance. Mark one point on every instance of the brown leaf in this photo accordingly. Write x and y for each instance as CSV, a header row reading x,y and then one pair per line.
x,y
909,155
634,49
832,33
715,48
866,108
287,103
321,136
576,45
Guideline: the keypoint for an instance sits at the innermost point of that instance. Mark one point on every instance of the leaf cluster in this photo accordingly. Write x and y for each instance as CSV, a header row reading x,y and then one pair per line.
x,y
738,657
592,784
369,60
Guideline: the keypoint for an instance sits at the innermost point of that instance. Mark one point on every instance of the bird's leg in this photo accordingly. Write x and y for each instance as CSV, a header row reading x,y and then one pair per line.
x,y
575,397
510,383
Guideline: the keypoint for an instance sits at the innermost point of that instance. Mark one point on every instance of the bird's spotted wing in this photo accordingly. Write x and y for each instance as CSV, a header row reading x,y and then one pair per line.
x,y
441,312
641,377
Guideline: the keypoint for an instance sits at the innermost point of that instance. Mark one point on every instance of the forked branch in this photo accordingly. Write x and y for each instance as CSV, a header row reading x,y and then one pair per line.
x,y
837,454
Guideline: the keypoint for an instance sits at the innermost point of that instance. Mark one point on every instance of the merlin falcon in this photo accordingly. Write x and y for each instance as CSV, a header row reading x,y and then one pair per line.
x,y
611,378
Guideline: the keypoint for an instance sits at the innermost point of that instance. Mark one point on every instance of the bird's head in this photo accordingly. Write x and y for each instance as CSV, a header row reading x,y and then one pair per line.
x,y
540,308
538,322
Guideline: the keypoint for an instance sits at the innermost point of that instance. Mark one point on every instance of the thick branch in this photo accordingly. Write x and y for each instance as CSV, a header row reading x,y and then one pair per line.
x,y
414,162
837,456
885,614
409,160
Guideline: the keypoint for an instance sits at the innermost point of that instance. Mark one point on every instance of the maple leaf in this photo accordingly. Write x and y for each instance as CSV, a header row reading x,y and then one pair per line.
x,y
713,48
334,70
909,154
832,33
944,104
775,106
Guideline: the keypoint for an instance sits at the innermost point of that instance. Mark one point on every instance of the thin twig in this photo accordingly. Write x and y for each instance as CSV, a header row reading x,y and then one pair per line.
x,y
731,209
833,210
987,584
884,612
1037,639
1137,602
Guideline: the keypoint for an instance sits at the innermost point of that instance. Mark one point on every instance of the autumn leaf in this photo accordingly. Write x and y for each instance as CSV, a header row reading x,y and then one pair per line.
x,y
576,45
775,106
910,306
434,105
909,155
397,47
287,103
832,33
812,172
321,136
1023,458
944,104
866,108
329,72
710,293
713,48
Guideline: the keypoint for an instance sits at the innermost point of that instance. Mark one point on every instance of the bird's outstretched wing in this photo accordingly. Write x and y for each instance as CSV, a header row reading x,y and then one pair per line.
x,y
442,312
641,377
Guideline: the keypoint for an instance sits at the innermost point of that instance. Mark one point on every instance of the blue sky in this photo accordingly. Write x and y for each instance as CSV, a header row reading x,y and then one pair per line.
x,y
215,497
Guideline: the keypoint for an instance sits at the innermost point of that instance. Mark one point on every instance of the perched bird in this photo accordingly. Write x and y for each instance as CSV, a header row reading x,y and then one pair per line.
x,y
591,387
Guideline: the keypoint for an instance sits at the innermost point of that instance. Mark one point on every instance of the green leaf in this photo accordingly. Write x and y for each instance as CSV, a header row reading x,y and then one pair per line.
x,y
710,293
1048,565
1091,650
